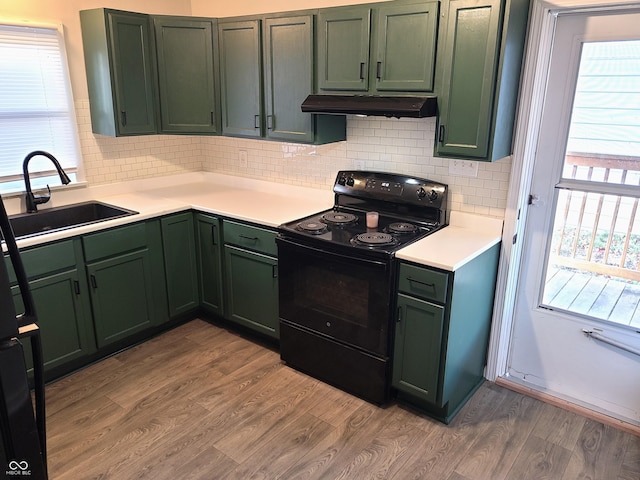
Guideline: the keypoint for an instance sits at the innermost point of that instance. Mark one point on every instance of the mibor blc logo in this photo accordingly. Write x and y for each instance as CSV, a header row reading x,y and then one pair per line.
x,y
17,468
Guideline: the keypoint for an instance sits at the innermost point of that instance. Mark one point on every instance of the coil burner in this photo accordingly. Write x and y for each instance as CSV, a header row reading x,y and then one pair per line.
x,y
312,227
339,218
401,227
374,239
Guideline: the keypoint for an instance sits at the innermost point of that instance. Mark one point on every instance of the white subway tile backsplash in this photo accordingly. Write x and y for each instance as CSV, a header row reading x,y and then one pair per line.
x,y
374,143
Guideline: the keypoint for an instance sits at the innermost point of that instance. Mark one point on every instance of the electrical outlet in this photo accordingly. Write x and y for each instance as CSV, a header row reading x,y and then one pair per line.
x,y
463,168
358,164
243,158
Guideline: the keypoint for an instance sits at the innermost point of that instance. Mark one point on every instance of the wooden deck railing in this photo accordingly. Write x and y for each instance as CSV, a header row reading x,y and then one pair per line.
x,y
596,232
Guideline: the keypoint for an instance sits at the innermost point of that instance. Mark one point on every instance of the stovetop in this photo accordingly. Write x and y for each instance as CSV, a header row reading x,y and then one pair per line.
x,y
408,209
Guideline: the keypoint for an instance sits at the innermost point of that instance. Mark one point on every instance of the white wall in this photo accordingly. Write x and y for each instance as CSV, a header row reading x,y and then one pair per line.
x,y
404,146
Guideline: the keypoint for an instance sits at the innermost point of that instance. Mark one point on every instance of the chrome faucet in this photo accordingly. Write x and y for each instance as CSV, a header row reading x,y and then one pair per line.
x,y
32,200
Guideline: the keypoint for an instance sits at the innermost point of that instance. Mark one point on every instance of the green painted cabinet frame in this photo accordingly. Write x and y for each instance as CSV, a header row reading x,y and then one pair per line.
x,y
251,280
121,71
241,77
343,49
187,73
440,346
386,49
180,261
61,298
417,345
209,250
479,64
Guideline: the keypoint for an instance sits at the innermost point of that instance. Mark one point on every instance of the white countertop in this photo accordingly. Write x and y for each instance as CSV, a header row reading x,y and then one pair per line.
x,y
256,201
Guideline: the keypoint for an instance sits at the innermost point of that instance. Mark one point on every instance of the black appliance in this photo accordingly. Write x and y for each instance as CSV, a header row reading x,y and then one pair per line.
x,y
23,433
373,105
337,277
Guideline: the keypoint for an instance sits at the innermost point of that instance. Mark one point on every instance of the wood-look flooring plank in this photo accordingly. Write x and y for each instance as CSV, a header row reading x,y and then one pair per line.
x,y
227,408
443,447
540,460
597,442
493,454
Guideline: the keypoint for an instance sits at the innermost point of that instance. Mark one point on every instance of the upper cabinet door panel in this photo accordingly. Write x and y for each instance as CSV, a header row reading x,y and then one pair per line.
x,y
133,71
470,54
241,84
343,49
186,75
405,47
288,54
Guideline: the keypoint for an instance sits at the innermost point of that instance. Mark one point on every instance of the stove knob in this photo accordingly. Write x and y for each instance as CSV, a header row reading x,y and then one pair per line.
x,y
342,181
350,181
433,195
421,193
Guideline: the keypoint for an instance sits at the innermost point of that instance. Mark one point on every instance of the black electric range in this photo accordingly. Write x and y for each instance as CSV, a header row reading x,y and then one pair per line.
x,y
337,278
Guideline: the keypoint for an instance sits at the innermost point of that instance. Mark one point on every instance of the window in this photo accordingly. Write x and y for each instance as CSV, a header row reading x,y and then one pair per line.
x,y
36,106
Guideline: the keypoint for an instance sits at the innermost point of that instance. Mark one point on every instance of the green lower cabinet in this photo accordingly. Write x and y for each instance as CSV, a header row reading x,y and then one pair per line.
x,y
179,248
209,251
418,342
121,296
252,290
64,319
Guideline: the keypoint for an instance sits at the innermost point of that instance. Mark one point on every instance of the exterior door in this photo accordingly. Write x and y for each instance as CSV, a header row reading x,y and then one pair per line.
x,y
576,328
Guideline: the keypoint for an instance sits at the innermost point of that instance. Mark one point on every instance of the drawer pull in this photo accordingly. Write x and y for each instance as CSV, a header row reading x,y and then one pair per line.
x,y
213,235
430,285
399,317
94,284
253,239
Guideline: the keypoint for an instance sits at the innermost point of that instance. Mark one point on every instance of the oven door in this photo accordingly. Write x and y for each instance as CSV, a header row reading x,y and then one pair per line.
x,y
346,298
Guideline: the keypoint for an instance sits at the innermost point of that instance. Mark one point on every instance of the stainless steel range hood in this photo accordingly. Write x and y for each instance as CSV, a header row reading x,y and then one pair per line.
x,y
415,107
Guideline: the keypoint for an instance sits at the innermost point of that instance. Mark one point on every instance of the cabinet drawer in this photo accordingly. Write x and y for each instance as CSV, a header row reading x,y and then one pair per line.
x,y
423,283
114,242
44,260
254,238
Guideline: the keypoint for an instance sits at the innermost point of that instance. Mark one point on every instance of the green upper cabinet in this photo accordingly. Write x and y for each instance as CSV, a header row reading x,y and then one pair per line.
x,y
266,71
288,72
186,75
479,70
405,47
396,56
343,49
241,78
120,67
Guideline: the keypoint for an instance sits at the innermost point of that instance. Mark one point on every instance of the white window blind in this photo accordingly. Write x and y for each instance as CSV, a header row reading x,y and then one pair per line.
x,y
36,105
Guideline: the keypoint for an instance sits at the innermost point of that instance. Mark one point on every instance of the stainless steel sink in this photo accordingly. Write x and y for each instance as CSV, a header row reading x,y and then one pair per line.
x,y
60,218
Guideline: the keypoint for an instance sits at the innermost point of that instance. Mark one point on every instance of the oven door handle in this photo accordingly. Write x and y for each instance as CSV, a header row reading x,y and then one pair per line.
x,y
325,253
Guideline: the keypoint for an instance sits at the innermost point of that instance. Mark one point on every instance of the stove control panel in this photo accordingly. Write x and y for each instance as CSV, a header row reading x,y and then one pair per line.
x,y
391,187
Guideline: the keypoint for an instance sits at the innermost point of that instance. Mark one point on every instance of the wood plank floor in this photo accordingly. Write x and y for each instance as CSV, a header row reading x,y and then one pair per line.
x,y
200,402
594,295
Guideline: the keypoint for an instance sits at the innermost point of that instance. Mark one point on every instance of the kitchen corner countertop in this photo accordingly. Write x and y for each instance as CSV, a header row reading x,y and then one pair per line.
x,y
466,237
256,201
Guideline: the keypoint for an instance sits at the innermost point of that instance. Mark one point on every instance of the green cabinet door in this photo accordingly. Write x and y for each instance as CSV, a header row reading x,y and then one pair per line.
x,y
418,340
343,49
252,290
288,65
121,296
178,244
209,250
64,318
469,68
405,47
241,78
120,67
188,100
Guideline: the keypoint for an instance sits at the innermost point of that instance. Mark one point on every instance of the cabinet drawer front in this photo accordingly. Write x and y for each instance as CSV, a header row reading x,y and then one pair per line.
x,y
423,283
254,238
114,242
44,260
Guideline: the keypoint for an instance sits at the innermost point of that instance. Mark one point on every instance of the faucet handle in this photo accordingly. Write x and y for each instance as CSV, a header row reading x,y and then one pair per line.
x,y
39,200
